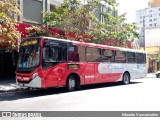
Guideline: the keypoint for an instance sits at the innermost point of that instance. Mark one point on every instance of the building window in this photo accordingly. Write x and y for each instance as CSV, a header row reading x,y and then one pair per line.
x,y
150,11
140,17
155,24
32,11
150,25
150,15
155,19
144,21
52,8
150,20
159,9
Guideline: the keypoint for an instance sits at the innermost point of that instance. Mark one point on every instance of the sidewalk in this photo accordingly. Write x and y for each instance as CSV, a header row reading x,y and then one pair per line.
x,y
8,85
151,75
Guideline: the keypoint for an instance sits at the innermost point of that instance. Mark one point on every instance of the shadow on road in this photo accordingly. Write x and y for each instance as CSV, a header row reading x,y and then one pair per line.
x,y
9,96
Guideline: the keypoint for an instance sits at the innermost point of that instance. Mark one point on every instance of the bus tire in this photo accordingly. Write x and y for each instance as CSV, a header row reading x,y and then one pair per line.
x,y
71,83
126,78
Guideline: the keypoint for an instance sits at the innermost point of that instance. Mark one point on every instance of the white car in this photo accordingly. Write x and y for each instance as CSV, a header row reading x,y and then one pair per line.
x,y
158,74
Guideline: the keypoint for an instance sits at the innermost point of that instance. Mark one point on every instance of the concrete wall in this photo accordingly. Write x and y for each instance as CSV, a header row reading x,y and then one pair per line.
x,y
152,37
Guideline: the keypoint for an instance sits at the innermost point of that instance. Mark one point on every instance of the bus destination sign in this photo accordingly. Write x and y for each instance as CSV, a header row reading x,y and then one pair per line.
x,y
31,42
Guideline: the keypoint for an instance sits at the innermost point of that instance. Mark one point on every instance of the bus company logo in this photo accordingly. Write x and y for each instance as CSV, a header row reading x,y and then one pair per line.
x,y
90,76
105,68
21,114
6,114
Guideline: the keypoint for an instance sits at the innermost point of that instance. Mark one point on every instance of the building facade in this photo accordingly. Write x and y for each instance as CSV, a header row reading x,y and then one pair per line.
x,y
149,21
147,18
31,9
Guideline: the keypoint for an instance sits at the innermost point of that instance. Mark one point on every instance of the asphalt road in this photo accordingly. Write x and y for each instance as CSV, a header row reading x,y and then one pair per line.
x,y
141,95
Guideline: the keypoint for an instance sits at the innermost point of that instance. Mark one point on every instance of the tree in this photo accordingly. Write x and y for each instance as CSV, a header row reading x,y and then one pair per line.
x,y
73,16
120,31
78,18
8,19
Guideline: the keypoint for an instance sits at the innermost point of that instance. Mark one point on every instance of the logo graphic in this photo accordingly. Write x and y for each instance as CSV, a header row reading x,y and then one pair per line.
x,y
6,114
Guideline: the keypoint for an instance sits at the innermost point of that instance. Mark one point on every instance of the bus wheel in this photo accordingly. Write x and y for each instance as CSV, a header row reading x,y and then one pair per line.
x,y
71,83
126,79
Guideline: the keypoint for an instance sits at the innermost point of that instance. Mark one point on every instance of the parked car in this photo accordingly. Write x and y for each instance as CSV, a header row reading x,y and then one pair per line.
x,y
158,74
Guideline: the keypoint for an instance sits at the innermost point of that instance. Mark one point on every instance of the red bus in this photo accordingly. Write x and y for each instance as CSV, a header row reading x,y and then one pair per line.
x,y
46,62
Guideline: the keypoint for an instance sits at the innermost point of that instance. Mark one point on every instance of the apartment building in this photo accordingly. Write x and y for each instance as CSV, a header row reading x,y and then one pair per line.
x,y
149,21
31,9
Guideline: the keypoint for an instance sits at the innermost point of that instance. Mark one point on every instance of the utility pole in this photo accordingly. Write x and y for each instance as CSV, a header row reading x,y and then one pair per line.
x,y
144,32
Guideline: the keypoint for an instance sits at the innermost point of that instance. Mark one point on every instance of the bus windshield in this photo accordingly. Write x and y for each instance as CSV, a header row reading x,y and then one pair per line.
x,y
29,54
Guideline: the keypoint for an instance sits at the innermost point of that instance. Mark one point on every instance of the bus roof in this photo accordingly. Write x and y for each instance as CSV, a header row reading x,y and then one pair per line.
x,y
95,45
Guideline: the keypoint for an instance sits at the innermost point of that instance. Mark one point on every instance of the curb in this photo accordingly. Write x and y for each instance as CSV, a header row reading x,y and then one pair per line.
x,y
13,90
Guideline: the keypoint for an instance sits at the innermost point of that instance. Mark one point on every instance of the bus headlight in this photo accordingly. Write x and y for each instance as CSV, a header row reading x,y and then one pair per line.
x,y
34,75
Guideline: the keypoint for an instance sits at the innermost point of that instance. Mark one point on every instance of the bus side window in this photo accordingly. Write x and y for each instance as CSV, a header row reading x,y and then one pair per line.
x,y
97,55
108,55
53,55
131,57
140,58
73,54
120,57
64,54
46,53
89,54
82,52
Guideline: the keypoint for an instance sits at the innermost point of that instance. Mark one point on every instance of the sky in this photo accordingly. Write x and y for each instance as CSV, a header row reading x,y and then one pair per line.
x,y
130,6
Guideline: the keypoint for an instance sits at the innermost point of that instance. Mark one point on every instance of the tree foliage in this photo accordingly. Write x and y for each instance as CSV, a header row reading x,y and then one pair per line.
x,y
8,19
79,18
